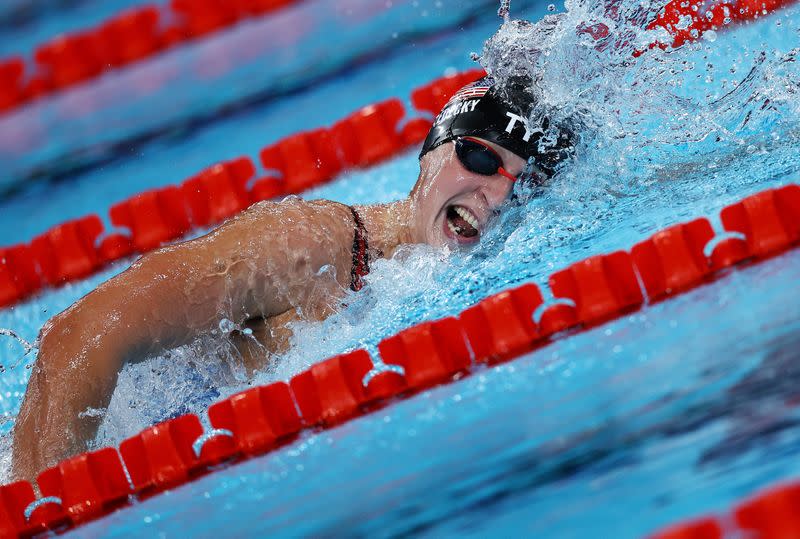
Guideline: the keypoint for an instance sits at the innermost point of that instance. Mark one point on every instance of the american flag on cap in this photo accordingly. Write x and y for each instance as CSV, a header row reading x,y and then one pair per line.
x,y
471,91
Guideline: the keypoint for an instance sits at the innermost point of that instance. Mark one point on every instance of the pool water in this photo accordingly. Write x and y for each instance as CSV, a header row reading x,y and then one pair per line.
x,y
670,412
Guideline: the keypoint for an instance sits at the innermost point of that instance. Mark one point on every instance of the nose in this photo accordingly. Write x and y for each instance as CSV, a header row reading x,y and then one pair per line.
x,y
496,190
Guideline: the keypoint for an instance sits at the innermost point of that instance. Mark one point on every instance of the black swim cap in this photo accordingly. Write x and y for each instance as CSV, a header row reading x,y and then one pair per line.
x,y
482,109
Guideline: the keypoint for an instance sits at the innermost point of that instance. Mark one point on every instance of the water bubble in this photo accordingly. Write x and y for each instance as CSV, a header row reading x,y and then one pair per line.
x,y
226,326
684,22
551,7
710,35
28,347
709,15
505,8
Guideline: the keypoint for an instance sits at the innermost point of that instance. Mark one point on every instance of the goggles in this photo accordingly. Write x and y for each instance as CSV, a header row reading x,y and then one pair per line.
x,y
477,157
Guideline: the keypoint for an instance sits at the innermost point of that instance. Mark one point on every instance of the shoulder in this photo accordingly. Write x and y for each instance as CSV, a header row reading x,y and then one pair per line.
x,y
309,233
292,208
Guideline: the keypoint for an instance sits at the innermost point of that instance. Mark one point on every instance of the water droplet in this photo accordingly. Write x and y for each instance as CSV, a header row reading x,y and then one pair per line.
x,y
551,7
505,8
226,326
710,35
684,22
709,15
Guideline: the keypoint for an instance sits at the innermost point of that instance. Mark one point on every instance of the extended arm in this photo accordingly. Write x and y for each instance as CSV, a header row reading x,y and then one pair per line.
x,y
259,264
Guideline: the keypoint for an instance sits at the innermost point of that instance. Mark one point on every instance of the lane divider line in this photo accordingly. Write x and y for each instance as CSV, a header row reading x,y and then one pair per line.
x,y
140,33
132,36
772,513
497,329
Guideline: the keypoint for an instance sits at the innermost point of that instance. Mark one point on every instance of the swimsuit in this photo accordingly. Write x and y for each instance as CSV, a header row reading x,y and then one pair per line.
x,y
360,253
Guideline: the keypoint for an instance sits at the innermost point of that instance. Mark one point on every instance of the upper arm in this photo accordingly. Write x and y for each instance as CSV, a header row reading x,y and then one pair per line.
x,y
272,258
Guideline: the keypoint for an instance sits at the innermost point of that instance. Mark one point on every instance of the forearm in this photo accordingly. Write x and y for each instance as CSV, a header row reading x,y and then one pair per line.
x,y
81,353
73,373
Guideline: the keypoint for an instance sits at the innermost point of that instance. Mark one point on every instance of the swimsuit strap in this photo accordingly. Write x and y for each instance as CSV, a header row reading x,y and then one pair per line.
x,y
360,253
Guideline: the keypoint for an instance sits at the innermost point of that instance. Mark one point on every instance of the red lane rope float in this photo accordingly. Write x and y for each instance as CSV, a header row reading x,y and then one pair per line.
x,y
773,513
139,33
688,20
498,328
129,37
81,247
142,32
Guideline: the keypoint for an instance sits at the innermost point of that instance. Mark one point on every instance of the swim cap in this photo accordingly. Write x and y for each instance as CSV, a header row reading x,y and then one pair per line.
x,y
482,109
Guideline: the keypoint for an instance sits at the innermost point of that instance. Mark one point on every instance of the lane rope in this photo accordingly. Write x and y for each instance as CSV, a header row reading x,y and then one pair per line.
x,y
497,329
129,37
771,513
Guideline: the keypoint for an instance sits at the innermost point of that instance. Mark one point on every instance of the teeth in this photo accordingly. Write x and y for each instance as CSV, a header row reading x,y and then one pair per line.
x,y
453,228
467,216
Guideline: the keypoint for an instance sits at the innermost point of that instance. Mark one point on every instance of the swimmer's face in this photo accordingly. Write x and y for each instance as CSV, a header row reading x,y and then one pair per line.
x,y
453,205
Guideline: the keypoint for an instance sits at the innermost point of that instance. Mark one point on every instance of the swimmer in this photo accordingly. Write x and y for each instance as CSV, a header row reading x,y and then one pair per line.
x,y
275,263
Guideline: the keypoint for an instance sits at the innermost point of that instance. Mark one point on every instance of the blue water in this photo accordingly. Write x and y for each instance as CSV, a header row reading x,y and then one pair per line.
x,y
670,412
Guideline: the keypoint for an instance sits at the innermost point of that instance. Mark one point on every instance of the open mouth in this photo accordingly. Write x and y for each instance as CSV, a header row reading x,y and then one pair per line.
x,y
462,222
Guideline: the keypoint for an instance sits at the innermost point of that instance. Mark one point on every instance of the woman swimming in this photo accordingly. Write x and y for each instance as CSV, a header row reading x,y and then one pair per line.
x,y
275,263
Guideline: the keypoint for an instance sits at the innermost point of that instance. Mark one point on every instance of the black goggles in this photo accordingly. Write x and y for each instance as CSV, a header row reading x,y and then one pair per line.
x,y
477,157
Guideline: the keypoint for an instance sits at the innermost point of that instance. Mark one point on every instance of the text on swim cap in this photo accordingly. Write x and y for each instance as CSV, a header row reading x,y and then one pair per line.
x,y
457,108
528,131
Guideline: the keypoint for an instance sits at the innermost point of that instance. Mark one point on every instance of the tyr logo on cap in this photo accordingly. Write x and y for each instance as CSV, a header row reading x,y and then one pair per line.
x,y
528,129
